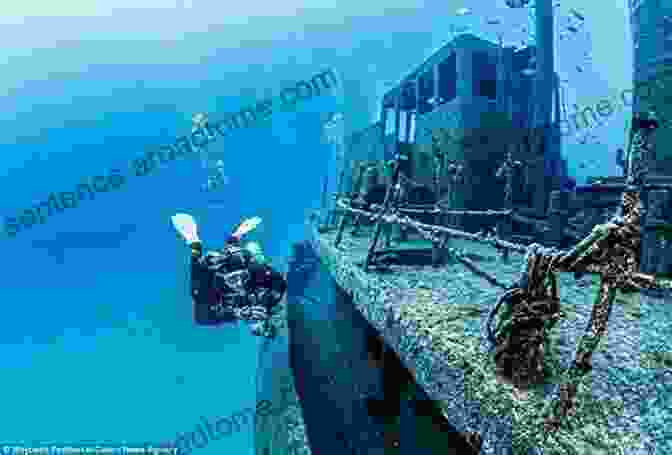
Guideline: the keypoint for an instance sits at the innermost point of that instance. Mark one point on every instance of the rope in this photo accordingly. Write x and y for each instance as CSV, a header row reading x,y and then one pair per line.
x,y
504,298
610,250
440,210
392,218
521,284
534,309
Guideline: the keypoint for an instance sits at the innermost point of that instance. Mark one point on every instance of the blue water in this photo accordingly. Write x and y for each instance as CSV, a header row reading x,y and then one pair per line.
x,y
102,347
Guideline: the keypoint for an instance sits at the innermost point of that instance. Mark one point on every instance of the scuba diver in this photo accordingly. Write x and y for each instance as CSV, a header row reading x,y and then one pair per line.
x,y
233,283
215,169
199,122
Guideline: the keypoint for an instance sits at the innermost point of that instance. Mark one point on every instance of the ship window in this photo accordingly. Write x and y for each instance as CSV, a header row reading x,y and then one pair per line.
x,y
485,75
448,79
426,92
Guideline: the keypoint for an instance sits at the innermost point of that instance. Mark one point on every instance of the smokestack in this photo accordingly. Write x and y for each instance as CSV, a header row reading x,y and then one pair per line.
x,y
545,62
651,26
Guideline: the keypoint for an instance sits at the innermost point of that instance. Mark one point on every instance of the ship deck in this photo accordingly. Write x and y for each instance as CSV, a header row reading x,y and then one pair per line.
x,y
435,319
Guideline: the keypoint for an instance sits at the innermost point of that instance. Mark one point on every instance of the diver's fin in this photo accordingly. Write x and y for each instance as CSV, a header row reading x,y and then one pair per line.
x,y
186,226
246,226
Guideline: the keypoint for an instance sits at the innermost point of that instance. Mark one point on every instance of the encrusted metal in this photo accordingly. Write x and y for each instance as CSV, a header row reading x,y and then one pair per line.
x,y
611,251
530,307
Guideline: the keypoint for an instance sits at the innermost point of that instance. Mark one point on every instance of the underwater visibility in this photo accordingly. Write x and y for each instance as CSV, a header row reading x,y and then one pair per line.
x,y
371,228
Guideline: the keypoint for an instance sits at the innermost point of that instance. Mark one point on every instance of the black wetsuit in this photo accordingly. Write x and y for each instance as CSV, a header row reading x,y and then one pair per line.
x,y
215,302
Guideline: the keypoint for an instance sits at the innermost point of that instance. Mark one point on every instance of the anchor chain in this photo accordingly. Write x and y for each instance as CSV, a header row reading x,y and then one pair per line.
x,y
533,307
615,257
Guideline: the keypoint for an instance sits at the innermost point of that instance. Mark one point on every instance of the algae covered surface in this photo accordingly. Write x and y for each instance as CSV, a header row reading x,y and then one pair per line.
x,y
441,315
586,432
281,432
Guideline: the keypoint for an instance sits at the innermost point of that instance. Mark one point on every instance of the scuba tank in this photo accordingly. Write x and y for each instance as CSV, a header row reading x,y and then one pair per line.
x,y
231,266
